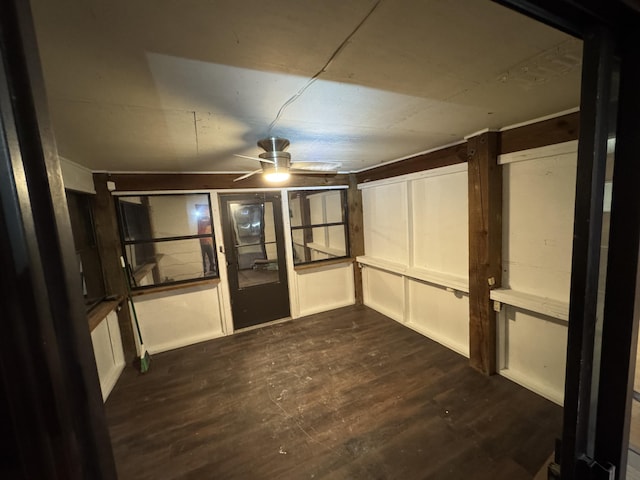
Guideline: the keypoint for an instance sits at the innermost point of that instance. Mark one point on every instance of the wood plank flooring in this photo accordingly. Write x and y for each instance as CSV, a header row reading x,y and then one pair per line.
x,y
347,394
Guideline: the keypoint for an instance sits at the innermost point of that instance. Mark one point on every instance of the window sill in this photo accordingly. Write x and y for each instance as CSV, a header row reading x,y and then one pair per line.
x,y
322,263
101,310
179,286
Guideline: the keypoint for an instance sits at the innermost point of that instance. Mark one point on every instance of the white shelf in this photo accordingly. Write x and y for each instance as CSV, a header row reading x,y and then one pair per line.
x,y
534,303
324,249
441,279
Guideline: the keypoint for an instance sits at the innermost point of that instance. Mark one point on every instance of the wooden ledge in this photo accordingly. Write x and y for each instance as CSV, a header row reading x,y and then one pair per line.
x,y
322,263
101,310
175,286
549,307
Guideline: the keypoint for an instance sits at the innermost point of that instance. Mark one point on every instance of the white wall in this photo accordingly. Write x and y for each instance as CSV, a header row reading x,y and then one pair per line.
x,y
76,177
181,317
538,207
386,221
325,287
107,349
415,266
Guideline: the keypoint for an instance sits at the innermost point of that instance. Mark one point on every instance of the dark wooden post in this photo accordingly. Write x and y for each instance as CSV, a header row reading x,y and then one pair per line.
x,y
356,233
485,247
110,251
50,390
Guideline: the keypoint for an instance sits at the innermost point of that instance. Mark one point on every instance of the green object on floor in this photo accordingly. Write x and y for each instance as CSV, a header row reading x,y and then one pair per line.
x,y
145,358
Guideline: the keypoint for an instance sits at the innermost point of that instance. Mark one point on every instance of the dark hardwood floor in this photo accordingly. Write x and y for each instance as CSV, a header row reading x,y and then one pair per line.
x,y
348,394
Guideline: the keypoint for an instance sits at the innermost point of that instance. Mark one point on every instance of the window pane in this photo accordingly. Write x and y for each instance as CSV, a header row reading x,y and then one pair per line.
x,y
170,261
168,238
295,208
313,210
164,216
84,239
91,274
319,243
257,264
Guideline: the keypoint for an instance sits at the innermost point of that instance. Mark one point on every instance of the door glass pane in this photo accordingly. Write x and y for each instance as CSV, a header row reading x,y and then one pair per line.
x,y
256,252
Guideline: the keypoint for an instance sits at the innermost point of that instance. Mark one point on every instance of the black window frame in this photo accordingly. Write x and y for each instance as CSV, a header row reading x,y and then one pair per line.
x,y
310,226
80,206
148,239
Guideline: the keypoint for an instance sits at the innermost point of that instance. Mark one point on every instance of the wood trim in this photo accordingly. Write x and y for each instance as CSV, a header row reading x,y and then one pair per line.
x,y
134,182
439,158
547,132
485,248
323,263
179,286
356,233
108,237
100,311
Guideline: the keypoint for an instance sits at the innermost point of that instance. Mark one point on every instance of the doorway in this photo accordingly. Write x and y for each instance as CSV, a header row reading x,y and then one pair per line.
x,y
256,265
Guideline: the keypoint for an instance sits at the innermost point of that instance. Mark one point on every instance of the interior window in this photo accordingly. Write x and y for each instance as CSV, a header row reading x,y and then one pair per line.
x,y
318,225
167,238
87,255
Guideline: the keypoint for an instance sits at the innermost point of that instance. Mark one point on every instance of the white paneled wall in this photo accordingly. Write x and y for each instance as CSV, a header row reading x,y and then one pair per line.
x,y
439,314
178,318
325,287
415,267
107,349
440,236
384,292
538,206
533,352
386,221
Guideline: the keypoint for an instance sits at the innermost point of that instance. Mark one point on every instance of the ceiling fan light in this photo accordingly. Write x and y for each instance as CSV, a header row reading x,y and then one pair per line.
x,y
276,176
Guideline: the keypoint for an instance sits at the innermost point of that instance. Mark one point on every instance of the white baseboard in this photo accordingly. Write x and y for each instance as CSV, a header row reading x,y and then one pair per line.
x,y
441,339
543,390
182,342
326,308
398,317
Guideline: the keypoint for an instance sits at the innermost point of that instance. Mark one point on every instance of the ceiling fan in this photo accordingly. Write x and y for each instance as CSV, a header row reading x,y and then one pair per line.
x,y
277,165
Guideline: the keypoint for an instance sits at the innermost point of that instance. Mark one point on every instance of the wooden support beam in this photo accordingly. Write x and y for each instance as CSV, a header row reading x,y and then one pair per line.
x,y
539,134
106,223
356,233
426,161
485,247
211,181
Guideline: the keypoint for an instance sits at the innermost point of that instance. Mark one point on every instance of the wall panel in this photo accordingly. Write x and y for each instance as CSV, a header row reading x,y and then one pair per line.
x,y
384,292
534,353
386,223
325,288
180,317
416,260
107,349
538,206
440,227
440,314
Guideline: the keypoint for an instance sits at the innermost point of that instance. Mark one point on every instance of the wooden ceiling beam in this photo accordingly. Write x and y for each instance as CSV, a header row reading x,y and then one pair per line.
x,y
134,182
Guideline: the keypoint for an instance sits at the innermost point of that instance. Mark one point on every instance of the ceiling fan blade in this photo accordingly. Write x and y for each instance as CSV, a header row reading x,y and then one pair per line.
x,y
254,158
247,175
317,166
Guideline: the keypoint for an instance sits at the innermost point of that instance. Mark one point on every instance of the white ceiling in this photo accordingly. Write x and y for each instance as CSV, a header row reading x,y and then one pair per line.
x,y
166,85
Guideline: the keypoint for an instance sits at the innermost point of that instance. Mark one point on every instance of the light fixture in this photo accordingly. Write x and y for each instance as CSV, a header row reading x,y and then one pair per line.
x,y
277,170
276,176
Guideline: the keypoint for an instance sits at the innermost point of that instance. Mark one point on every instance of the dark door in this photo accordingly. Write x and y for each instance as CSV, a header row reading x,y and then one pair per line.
x,y
254,247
